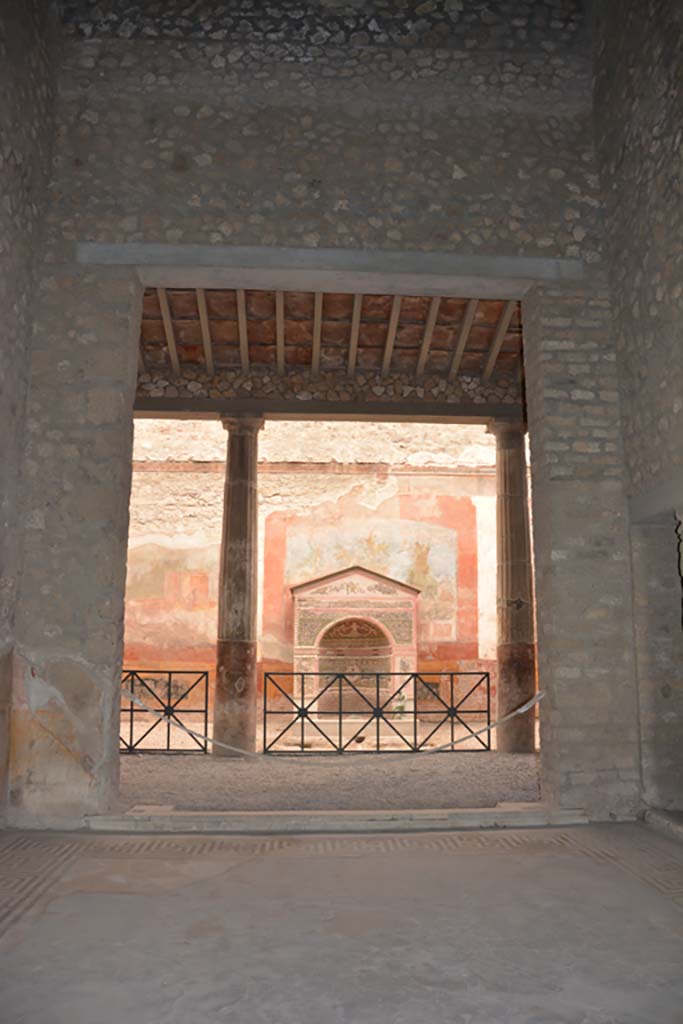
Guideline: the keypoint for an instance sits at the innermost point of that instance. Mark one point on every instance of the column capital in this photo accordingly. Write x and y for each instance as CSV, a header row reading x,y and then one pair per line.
x,y
242,424
513,430
506,426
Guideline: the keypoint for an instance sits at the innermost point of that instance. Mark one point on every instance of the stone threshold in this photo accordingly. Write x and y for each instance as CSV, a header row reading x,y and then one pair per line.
x,y
153,819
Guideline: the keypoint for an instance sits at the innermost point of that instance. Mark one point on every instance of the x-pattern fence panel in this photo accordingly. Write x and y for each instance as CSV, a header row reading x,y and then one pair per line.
x,y
174,699
342,712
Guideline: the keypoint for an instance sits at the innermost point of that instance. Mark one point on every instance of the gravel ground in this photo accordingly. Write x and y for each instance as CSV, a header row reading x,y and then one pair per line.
x,y
354,782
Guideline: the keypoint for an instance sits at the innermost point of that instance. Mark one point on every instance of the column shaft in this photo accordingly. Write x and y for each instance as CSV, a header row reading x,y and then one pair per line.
x,y
234,717
516,647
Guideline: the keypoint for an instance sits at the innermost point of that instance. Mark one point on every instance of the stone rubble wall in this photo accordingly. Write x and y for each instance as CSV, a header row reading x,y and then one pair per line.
x,y
363,387
396,444
639,126
659,648
548,25
28,57
185,137
639,122
480,145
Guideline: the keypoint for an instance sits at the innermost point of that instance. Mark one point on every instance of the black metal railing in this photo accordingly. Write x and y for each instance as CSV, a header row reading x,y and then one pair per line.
x,y
181,697
374,712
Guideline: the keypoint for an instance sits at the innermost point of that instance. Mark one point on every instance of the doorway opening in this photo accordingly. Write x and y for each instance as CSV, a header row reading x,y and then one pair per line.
x,y
389,474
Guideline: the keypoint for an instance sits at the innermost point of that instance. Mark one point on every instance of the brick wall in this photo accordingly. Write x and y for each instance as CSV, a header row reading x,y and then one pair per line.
x,y
589,721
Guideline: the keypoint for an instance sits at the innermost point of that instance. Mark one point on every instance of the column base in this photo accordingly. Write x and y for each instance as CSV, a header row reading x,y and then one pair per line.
x,y
516,684
234,709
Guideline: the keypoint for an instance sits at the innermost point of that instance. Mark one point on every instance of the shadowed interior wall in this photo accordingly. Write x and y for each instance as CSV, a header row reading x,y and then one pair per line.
x,y
639,119
76,486
658,598
460,128
28,57
589,720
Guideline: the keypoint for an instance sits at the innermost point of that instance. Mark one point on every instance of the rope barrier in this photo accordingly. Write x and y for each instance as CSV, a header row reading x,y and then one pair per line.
x,y
521,710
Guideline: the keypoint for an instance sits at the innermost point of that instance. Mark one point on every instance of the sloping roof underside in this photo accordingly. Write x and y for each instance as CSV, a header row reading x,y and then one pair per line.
x,y
224,329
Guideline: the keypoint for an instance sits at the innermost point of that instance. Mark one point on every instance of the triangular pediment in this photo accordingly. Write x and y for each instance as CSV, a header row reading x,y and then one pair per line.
x,y
354,580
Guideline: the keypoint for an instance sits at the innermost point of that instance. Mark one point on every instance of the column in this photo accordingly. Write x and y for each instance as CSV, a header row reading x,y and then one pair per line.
x,y
516,652
234,716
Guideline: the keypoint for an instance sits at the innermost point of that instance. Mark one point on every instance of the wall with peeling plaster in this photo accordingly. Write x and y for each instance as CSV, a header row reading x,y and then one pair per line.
x,y
639,118
76,486
387,496
28,57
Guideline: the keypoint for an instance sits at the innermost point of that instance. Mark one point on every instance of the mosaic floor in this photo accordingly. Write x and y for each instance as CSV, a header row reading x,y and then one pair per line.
x,y
553,926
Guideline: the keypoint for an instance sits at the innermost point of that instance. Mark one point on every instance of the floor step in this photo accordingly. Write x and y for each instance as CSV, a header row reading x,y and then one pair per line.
x,y
166,819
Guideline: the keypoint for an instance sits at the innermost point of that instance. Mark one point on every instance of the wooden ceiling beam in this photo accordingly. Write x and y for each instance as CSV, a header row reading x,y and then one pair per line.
x,y
168,331
242,328
391,334
461,344
317,333
355,331
280,331
498,338
206,330
427,336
